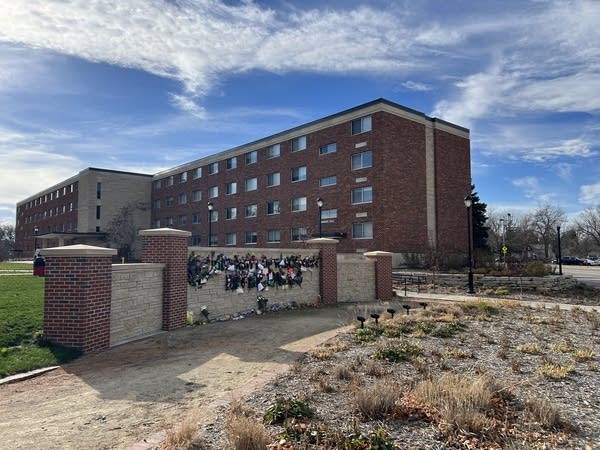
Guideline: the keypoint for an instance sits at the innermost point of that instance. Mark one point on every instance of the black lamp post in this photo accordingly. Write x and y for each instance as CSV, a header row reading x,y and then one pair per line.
x,y
468,204
210,208
35,233
559,256
320,205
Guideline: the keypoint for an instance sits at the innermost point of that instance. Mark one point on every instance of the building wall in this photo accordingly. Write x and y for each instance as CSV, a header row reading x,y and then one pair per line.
x,y
356,278
136,302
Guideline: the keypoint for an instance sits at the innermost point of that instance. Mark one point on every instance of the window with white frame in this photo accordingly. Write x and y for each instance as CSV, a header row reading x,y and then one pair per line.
x,y
273,207
299,204
231,213
197,173
251,184
273,151
362,160
182,198
213,168
182,219
299,143
363,230
298,174
213,191
362,195
328,181
231,188
252,157
196,218
273,179
196,196
231,239
231,163
273,236
298,234
329,148
251,237
251,210
183,177
213,215
169,180
361,125
328,215
169,201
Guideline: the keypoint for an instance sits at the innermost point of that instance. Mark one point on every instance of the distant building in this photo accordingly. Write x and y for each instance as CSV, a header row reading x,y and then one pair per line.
x,y
389,177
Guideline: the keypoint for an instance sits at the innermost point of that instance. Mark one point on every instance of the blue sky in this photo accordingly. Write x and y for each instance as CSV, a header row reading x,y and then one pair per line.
x,y
144,85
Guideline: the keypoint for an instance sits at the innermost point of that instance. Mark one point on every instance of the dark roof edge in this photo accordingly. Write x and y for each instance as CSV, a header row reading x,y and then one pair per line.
x,y
97,169
449,124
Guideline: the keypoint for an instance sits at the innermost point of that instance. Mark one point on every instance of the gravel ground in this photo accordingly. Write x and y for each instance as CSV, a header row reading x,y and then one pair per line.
x,y
506,345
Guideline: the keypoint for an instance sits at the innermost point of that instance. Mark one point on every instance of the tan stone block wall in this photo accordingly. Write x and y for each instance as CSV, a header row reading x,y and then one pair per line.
x,y
136,306
356,278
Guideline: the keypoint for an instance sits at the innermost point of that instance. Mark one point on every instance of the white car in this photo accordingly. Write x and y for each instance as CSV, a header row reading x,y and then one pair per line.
x,y
591,262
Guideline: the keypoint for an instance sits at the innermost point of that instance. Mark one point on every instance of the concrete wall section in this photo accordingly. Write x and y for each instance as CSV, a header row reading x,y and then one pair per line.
x,y
136,307
356,278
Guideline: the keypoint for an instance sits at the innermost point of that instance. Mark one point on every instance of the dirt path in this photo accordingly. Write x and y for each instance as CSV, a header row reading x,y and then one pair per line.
x,y
119,397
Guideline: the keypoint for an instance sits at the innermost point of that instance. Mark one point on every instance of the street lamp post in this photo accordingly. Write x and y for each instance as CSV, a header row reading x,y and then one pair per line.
x,y
559,256
35,233
210,208
468,204
320,205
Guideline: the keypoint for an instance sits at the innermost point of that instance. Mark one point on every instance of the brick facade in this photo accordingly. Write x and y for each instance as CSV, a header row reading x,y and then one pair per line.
x,y
170,247
327,268
383,274
77,296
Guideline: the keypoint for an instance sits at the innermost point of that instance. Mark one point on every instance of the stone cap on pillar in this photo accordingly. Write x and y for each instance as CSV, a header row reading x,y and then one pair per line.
x,y
377,253
322,241
78,250
165,232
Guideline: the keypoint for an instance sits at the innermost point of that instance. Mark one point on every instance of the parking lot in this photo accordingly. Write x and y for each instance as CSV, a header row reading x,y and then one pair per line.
x,y
586,274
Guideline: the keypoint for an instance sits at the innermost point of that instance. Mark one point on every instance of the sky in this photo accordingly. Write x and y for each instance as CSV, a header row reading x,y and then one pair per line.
x,y
145,85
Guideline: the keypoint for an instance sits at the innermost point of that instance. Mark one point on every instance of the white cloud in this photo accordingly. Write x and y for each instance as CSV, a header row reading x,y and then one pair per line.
x,y
530,183
417,86
187,104
590,194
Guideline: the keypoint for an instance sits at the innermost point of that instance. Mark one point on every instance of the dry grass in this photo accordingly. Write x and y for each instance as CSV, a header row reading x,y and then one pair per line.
x,y
183,436
555,371
531,348
545,413
378,401
243,432
583,354
343,372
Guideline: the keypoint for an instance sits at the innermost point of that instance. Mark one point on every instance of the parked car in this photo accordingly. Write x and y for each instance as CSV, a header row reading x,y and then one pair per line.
x,y
591,262
571,260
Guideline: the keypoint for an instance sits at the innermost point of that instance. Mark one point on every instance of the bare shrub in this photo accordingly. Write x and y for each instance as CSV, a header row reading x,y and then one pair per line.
x,y
343,372
545,413
378,401
325,386
374,368
245,433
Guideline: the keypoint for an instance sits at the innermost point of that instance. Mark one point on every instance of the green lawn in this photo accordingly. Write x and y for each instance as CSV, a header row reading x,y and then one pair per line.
x,y
21,323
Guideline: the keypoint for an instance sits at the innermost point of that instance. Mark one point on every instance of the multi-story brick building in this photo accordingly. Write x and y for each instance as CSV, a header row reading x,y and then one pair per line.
x,y
389,178
78,209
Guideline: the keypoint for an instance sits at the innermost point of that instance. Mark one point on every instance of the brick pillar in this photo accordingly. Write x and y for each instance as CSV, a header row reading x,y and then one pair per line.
x,y
169,247
383,274
77,296
327,268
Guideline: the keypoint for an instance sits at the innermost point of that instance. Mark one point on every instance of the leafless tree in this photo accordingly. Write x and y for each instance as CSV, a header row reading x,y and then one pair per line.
x,y
7,241
122,230
544,221
588,223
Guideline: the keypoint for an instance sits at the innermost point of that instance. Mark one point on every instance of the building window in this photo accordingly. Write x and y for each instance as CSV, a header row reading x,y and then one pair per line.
x,y
299,143
196,240
251,210
156,184
231,213
98,190
298,234
169,180
231,188
361,125
156,204
251,184
328,215
326,149
214,240
182,219
231,239
298,174
362,195
182,198
169,221
183,177
362,160
273,151
251,237
213,168
273,236
156,223
169,201
196,196
299,204
328,181
251,157
98,208
70,206
231,163
197,173
362,230
273,207
196,218
213,215
213,191
273,179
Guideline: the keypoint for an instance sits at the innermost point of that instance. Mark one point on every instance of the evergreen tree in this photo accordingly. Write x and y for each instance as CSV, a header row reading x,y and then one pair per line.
x,y
480,231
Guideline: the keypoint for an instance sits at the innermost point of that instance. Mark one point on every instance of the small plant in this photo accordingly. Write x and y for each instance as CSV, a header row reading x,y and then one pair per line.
x,y
283,409
398,352
246,433
565,346
182,436
531,348
378,401
545,413
321,353
325,386
480,307
343,373
374,368
501,290
375,440
448,330
365,335
583,354
458,353
555,371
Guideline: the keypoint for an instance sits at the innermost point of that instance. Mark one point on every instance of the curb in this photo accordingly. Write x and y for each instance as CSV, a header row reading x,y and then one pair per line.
x,y
25,376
